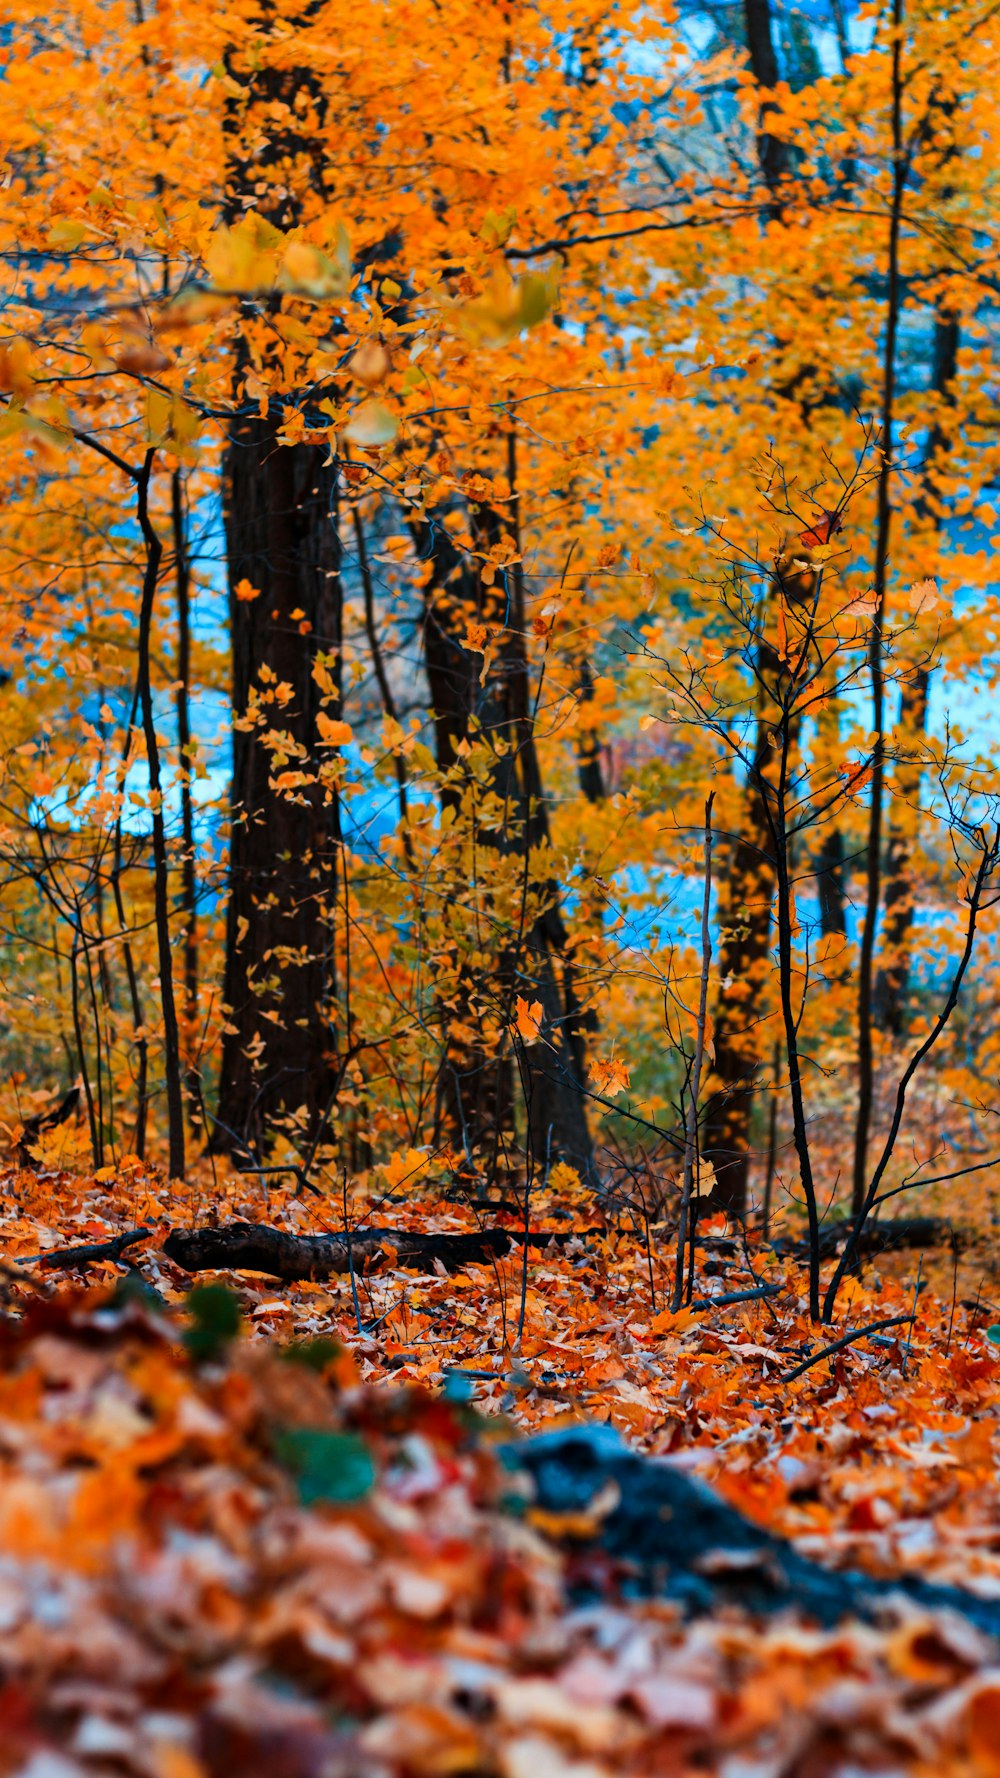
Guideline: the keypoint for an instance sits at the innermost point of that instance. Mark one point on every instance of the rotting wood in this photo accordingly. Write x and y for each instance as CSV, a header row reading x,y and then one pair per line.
x,y
255,1247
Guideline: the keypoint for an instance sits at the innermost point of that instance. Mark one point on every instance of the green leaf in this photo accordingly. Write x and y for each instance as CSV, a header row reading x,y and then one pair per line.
x,y
131,1290
215,1320
326,1465
315,1355
993,1334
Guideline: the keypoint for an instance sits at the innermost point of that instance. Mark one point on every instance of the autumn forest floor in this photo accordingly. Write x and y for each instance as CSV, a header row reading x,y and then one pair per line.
x,y
213,1559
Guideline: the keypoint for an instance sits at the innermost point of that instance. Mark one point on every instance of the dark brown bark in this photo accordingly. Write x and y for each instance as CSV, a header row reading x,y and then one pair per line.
x,y
772,153
892,983
876,660
746,889
745,901
758,856
161,876
830,868
892,1236
282,537
588,752
254,1247
476,1088
189,884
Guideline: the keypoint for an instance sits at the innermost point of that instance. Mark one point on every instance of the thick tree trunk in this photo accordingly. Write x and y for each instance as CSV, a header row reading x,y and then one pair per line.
x,y
476,1085
282,538
284,559
772,152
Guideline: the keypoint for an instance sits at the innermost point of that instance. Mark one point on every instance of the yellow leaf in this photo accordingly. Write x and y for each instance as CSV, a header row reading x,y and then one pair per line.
x,y
244,258
371,425
307,271
66,234
332,733
506,307
404,1168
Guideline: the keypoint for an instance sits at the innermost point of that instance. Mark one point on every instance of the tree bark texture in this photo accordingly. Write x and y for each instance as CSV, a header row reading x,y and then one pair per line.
x,y
283,540
476,1089
282,537
893,980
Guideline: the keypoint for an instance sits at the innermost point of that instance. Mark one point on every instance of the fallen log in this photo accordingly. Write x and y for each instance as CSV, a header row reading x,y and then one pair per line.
x,y
91,1251
671,1535
255,1247
877,1237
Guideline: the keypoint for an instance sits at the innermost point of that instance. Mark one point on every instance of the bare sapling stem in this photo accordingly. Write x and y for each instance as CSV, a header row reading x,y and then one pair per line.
x,y
988,859
161,879
876,656
691,1168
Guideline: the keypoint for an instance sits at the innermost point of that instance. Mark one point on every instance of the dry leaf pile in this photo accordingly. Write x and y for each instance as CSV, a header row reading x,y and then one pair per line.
x,y
283,1553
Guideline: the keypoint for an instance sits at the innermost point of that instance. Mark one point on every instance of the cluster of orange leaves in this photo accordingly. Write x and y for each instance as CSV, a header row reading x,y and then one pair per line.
x,y
170,1607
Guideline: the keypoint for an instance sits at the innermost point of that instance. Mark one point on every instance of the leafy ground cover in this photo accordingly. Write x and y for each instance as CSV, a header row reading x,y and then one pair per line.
x,y
239,1533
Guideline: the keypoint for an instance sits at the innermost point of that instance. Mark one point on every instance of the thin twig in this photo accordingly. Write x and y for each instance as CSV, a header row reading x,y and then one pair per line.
x,y
92,1250
350,1260
847,1339
735,1296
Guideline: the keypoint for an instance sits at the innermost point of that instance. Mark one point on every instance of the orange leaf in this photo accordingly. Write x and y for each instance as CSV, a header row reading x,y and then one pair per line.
x,y
528,1019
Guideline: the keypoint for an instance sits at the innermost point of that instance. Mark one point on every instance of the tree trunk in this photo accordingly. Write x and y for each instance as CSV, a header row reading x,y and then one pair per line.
x,y
746,894
772,152
892,984
282,537
746,889
476,1081
285,600
830,867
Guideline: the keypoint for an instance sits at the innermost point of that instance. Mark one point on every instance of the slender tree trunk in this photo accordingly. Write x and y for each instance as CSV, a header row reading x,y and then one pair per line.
x,y
475,1086
189,883
772,152
746,895
893,979
161,878
830,868
876,664
691,1182
588,749
746,887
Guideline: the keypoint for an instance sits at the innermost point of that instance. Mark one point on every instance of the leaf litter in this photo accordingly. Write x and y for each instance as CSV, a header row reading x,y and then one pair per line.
x,y
240,1533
